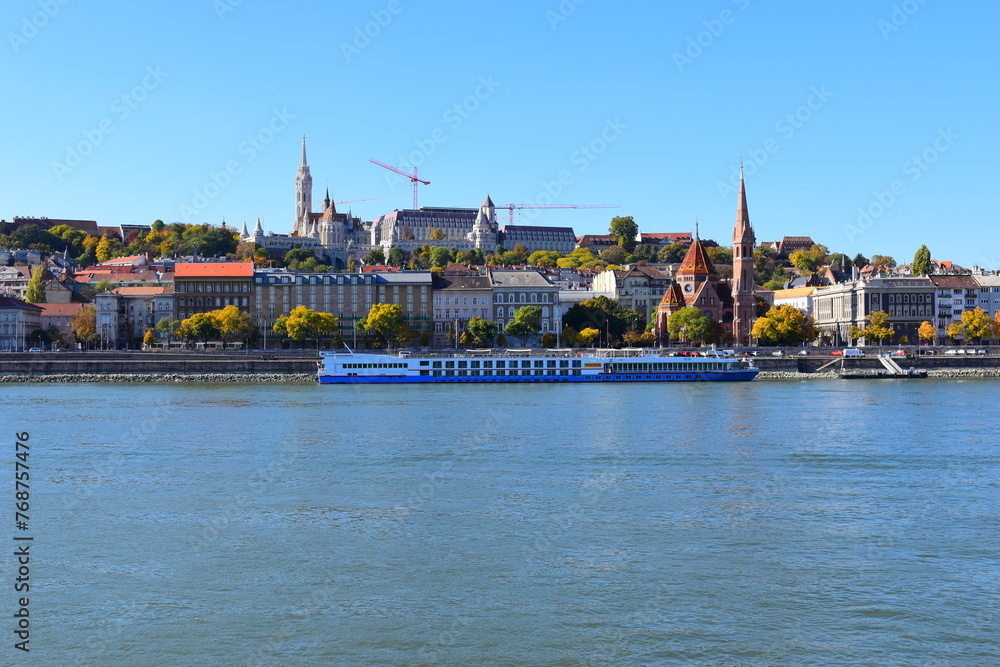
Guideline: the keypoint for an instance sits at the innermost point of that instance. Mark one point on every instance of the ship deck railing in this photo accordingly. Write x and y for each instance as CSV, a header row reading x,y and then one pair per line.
x,y
520,353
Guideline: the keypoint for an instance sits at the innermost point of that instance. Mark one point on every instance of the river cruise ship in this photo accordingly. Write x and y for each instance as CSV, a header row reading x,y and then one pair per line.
x,y
629,365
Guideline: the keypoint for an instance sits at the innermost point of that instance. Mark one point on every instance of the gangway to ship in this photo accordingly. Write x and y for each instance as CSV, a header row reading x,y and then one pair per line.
x,y
890,365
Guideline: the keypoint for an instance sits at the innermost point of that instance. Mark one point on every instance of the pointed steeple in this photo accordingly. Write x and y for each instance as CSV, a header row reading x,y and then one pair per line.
x,y
245,232
258,230
742,232
304,163
487,203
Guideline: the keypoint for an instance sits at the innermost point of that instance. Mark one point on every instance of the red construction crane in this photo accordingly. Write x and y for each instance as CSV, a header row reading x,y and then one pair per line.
x,y
510,207
414,178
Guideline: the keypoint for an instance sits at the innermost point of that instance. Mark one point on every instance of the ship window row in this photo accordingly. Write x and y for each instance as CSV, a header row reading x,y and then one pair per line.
x,y
647,367
355,366
513,363
502,373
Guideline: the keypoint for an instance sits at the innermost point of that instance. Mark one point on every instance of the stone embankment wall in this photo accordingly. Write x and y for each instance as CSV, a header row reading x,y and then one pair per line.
x,y
158,367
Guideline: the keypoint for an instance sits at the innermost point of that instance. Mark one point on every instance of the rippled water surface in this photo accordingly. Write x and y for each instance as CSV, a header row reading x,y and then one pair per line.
x,y
753,523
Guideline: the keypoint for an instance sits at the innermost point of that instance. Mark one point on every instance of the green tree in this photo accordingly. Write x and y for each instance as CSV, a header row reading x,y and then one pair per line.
x,y
374,256
784,325
527,322
303,324
921,262
103,285
977,324
35,292
548,340
624,229
424,340
296,255
544,258
720,255
167,327
878,327
673,253
804,260
482,331
614,255
501,340
569,336
437,235
690,324
884,261
396,257
860,261
200,325
645,251
605,315
440,257
385,322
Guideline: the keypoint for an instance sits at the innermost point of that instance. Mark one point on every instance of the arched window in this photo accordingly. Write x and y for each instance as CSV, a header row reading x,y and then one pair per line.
x,y
500,312
545,298
523,299
534,298
510,312
499,298
545,311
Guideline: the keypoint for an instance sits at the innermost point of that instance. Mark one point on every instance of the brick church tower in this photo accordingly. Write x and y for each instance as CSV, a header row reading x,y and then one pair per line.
x,y
744,302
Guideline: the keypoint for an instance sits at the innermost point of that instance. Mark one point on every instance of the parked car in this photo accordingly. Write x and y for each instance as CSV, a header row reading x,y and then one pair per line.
x,y
777,353
853,352
928,352
837,353
803,353
35,349
899,353
980,351
952,351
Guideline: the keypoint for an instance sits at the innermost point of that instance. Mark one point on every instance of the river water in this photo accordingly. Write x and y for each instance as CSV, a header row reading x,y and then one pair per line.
x,y
763,523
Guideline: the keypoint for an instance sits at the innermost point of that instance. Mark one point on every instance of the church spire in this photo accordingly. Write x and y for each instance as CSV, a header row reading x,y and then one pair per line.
x,y
304,163
742,232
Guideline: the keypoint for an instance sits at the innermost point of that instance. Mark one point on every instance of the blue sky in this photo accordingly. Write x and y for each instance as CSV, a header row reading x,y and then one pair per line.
x,y
870,126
